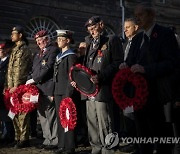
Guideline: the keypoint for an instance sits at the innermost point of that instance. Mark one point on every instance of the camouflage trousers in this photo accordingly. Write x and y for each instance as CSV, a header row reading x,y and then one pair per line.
x,y
21,124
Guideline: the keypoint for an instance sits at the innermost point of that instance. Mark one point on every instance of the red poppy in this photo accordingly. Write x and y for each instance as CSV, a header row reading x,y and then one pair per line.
x,y
155,35
141,90
100,54
68,114
88,71
15,101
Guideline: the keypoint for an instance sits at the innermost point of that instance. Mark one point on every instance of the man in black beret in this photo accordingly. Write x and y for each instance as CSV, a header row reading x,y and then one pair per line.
x,y
103,55
16,76
92,21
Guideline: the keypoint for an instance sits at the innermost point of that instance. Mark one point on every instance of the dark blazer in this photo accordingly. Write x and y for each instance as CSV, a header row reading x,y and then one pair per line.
x,y
162,53
3,70
62,82
42,70
106,59
159,62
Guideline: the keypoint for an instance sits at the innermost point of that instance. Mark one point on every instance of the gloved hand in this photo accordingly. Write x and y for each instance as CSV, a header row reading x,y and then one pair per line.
x,y
30,81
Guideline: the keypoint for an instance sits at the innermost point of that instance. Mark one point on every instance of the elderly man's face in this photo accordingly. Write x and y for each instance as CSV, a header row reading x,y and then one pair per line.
x,y
95,30
143,17
3,52
42,42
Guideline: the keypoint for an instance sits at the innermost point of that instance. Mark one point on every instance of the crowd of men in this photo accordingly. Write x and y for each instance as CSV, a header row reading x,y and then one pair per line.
x,y
151,50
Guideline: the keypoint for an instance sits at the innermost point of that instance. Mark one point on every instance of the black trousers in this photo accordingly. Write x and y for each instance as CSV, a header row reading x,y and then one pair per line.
x,y
66,140
151,123
33,123
176,129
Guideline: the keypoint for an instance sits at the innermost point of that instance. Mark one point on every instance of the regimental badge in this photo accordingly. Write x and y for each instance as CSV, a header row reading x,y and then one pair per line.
x,y
90,21
43,62
104,47
99,59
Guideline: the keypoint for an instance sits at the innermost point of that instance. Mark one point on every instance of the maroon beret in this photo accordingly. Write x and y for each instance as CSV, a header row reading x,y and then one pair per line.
x,y
40,34
2,45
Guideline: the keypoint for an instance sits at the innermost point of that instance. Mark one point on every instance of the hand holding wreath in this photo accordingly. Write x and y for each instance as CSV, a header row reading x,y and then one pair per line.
x,y
123,77
67,114
23,99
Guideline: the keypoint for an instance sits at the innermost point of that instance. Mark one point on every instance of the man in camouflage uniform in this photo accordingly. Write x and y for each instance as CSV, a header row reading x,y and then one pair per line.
x,y
18,69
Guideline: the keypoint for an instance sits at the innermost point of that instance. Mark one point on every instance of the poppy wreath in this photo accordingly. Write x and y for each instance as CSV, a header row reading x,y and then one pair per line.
x,y
68,114
90,73
19,100
141,90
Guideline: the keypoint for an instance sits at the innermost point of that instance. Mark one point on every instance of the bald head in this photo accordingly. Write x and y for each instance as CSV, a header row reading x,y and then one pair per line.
x,y
145,15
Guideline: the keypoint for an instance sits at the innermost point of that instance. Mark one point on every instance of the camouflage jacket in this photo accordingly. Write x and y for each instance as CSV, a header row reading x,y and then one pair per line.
x,y
20,62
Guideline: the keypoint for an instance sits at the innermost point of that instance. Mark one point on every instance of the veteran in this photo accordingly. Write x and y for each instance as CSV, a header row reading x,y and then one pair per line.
x,y
42,77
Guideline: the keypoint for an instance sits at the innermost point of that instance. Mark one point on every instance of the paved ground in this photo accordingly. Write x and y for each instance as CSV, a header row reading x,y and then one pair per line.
x,y
34,142
33,150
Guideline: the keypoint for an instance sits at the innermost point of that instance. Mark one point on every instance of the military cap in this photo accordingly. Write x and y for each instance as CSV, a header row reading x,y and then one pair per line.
x,y
92,21
65,33
18,29
41,33
2,45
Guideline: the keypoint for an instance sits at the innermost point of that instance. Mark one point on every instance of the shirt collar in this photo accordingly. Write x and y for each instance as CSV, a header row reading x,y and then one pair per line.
x,y
149,31
3,59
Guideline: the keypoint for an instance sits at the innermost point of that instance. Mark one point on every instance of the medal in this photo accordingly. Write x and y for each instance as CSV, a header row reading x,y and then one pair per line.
x,y
43,62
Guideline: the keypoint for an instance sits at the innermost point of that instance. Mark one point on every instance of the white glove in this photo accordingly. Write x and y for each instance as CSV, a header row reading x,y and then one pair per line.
x,y
30,81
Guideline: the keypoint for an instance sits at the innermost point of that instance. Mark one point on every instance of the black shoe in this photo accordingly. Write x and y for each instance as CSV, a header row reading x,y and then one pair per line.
x,y
51,147
8,142
128,148
13,143
33,136
22,144
59,151
41,146
72,151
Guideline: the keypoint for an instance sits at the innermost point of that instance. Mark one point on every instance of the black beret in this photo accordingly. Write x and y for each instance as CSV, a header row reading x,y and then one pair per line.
x,y
19,29
92,21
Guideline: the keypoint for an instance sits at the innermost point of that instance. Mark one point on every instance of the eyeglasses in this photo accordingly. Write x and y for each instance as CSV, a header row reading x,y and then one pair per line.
x,y
61,39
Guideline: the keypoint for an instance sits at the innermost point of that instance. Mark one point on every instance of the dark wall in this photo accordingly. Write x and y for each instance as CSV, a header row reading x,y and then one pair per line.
x,y
67,14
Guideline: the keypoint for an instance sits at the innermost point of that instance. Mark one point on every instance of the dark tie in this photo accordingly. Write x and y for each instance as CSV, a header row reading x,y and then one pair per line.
x,y
95,43
127,49
144,51
145,45
41,53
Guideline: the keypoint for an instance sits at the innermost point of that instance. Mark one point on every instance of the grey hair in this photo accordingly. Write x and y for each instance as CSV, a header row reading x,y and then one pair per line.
x,y
131,19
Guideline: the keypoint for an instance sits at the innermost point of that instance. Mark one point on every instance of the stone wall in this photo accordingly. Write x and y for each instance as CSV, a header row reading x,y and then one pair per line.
x,y
72,15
